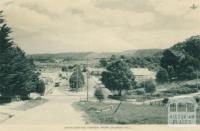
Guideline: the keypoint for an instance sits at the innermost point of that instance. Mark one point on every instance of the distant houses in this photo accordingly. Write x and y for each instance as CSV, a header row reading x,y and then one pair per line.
x,y
143,74
96,71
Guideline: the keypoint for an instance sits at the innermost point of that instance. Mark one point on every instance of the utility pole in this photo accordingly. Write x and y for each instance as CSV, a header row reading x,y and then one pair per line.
x,y
87,75
144,97
77,78
197,81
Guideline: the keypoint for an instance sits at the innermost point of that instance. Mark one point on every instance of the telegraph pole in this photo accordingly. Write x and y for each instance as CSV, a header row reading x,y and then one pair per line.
x,y
87,75
76,78
144,97
197,81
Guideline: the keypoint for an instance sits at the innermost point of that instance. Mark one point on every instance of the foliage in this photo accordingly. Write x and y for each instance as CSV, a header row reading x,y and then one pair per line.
x,y
182,60
99,94
150,62
118,77
40,87
77,79
149,87
103,62
140,91
165,100
181,90
162,76
84,68
64,68
18,75
197,98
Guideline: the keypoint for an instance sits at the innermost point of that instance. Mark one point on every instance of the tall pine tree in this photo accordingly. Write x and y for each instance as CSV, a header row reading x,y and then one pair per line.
x,y
18,76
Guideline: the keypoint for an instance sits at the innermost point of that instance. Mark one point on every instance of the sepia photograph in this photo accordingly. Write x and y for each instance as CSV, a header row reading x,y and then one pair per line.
x,y
100,64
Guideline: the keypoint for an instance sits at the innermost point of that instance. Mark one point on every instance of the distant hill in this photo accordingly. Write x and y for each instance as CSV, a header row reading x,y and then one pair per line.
x,y
95,55
142,52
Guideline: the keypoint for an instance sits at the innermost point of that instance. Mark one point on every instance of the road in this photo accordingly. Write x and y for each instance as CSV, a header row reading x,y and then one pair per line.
x,y
58,110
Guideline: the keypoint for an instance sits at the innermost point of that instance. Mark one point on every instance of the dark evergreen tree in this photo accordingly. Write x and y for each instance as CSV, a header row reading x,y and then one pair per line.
x,y
17,73
77,79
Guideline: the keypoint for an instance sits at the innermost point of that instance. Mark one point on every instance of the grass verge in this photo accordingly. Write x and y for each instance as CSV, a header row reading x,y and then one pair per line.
x,y
126,114
31,104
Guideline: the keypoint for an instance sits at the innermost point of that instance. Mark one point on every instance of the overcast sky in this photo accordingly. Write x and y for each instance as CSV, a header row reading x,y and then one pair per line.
x,y
50,26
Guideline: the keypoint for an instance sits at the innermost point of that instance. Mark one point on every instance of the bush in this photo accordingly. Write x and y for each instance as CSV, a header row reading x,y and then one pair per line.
x,y
117,97
140,91
182,90
150,87
162,76
191,86
197,98
99,94
165,100
41,88
4,99
64,68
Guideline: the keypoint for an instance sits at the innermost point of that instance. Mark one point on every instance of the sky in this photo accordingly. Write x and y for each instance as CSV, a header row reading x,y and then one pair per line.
x,y
52,26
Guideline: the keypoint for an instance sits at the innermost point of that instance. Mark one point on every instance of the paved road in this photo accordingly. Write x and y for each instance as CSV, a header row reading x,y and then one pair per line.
x,y
58,110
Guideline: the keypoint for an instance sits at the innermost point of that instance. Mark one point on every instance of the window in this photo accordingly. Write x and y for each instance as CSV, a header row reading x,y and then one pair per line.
x,y
173,107
190,107
181,107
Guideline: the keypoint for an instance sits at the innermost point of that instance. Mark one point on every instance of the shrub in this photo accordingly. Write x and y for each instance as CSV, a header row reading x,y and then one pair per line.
x,y
165,100
99,94
4,99
150,87
117,97
162,76
64,68
191,86
197,98
182,90
140,91
41,88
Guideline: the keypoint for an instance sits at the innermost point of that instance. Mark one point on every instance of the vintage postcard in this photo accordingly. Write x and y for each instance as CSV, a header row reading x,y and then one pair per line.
x,y
99,65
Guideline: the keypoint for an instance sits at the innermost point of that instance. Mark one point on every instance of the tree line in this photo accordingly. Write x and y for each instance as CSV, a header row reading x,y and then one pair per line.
x,y
182,61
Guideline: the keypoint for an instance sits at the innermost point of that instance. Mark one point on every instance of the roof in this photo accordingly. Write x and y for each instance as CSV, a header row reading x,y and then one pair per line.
x,y
96,69
182,99
142,72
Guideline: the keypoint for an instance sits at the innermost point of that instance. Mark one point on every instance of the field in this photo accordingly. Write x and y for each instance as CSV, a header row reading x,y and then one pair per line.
x,y
126,114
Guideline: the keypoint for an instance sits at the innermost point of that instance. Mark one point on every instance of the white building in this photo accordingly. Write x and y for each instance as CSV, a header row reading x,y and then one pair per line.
x,y
143,74
96,71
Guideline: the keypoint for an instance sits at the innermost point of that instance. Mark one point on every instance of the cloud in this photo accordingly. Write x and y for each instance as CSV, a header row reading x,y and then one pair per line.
x,y
99,25
127,5
37,8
